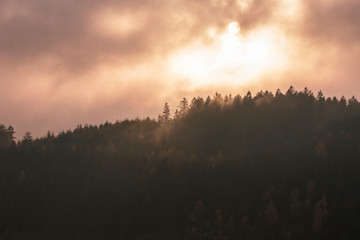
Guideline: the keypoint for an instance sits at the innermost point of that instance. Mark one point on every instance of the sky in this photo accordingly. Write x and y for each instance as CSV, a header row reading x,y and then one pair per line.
x,y
65,62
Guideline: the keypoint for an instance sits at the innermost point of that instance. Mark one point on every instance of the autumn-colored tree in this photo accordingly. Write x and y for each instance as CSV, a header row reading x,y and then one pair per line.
x,y
271,214
320,213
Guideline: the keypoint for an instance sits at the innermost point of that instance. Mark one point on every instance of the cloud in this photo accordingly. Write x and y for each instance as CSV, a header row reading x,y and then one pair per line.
x,y
328,45
332,22
68,62
75,36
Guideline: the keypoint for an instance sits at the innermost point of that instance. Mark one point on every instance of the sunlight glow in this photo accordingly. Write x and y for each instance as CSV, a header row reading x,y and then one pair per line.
x,y
234,28
233,57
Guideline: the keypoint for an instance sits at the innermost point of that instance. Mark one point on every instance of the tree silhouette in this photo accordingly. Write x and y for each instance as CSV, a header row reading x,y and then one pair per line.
x,y
183,105
27,138
166,112
6,136
139,178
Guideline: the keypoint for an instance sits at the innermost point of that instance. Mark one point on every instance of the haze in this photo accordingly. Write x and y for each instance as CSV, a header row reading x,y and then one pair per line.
x,y
64,63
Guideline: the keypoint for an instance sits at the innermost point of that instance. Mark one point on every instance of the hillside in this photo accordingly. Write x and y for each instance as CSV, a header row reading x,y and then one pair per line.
x,y
269,166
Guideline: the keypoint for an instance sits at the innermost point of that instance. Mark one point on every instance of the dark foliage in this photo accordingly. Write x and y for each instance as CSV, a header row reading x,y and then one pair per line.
x,y
283,166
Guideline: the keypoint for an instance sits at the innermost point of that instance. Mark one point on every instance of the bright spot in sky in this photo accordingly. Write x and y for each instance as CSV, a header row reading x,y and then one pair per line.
x,y
232,58
234,28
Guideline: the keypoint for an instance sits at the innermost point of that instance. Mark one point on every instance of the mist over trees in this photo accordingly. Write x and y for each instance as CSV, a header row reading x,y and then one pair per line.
x,y
269,166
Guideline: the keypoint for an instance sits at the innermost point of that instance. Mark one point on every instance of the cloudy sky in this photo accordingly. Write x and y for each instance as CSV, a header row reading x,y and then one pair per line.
x,y
65,62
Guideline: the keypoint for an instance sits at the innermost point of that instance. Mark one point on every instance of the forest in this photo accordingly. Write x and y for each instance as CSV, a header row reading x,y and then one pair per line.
x,y
265,166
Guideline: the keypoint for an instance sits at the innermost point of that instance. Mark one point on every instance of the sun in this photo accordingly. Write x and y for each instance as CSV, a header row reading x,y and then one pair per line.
x,y
232,57
234,28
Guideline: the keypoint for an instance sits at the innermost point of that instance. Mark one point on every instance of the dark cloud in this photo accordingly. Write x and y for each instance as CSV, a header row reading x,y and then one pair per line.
x,y
329,39
258,12
332,22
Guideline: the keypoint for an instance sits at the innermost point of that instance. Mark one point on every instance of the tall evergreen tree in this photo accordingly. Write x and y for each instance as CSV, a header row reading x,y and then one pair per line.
x,y
166,112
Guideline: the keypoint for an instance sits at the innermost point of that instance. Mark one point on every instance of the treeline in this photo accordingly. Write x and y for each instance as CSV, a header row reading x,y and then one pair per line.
x,y
269,166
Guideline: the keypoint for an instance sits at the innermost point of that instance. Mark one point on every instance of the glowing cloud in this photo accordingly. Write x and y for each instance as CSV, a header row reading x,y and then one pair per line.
x,y
233,57
234,28
68,62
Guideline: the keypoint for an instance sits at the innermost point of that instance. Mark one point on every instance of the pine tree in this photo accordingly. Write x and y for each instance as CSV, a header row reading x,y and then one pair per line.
x,y
183,105
166,112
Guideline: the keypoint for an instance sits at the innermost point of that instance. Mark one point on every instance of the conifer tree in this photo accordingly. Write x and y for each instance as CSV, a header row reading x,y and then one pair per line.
x,y
166,112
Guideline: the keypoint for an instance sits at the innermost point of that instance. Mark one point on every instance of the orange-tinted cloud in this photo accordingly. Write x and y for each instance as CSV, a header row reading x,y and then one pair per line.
x,y
69,62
